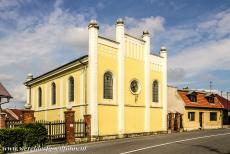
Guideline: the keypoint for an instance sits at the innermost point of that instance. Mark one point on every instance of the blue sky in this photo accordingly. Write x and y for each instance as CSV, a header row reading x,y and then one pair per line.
x,y
39,35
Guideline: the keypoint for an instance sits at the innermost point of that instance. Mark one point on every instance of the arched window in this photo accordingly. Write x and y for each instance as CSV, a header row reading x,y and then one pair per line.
x,y
53,93
155,91
108,85
71,89
39,97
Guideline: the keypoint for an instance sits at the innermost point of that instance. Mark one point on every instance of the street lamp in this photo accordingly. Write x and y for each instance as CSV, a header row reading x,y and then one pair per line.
x,y
227,106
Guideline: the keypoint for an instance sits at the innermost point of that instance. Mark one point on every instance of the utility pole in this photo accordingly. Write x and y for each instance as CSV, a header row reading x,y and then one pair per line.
x,y
210,86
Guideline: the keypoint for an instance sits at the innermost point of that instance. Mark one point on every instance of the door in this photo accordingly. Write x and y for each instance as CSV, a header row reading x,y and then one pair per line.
x,y
201,119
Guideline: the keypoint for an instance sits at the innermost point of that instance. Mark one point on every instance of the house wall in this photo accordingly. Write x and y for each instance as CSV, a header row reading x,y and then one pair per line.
x,y
207,124
51,112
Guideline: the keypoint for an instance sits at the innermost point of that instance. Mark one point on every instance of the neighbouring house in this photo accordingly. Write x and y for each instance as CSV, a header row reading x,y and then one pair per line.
x,y
13,114
226,109
203,110
4,95
176,110
120,83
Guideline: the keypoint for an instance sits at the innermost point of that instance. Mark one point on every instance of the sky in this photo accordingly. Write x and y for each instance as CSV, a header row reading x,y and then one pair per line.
x,y
39,35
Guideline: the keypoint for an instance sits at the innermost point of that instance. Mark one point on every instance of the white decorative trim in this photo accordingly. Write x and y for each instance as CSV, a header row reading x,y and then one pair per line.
x,y
164,90
93,79
46,101
120,37
81,90
146,38
33,99
61,99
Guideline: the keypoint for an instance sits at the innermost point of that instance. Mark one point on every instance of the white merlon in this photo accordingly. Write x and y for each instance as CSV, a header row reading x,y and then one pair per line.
x,y
120,37
92,77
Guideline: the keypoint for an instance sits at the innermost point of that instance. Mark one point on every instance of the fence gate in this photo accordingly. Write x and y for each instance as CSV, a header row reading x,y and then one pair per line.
x,y
55,129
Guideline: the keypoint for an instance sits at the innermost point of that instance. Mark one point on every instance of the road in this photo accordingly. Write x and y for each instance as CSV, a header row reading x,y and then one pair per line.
x,y
196,142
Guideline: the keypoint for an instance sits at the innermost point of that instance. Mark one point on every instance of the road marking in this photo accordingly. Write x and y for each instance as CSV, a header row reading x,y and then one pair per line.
x,y
158,145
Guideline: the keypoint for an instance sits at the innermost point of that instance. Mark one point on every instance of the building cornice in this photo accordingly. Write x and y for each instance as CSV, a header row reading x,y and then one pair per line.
x,y
65,67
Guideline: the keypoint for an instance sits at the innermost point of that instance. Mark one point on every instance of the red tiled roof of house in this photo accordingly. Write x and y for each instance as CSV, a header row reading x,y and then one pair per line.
x,y
4,92
201,102
13,114
223,101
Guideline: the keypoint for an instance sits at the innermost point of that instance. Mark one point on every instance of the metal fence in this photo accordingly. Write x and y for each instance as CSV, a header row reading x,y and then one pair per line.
x,y
13,123
56,129
80,128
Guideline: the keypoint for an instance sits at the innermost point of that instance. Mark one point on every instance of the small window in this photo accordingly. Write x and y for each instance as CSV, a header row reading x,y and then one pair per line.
x,y
39,97
108,85
191,116
53,93
71,89
211,99
155,91
193,98
213,116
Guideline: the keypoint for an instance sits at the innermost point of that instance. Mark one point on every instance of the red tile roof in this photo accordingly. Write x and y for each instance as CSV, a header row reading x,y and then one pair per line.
x,y
4,92
201,102
223,101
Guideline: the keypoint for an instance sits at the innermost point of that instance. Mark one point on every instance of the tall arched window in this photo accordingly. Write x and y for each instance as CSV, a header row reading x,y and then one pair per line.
x,y
155,91
53,93
39,97
71,89
108,85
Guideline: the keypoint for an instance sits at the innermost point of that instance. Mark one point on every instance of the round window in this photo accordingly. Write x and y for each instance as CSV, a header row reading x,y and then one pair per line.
x,y
134,86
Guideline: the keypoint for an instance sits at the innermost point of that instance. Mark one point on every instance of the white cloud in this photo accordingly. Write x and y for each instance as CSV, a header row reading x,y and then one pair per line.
x,y
34,42
199,48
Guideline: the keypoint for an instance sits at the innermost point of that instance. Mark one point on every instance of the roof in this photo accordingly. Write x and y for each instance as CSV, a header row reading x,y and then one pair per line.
x,y
57,69
223,101
202,101
13,114
3,92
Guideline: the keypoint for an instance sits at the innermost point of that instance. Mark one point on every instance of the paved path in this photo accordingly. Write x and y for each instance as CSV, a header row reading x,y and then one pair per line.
x,y
197,142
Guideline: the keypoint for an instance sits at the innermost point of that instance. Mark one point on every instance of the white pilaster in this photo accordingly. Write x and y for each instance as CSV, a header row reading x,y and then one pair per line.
x,y
46,101
120,37
147,83
28,92
92,75
61,100
163,53
81,89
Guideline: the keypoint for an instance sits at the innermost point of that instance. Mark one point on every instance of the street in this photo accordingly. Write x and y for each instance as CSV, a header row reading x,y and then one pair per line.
x,y
196,142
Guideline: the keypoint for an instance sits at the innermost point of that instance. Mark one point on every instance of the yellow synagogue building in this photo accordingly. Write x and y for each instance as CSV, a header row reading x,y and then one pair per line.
x,y
120,83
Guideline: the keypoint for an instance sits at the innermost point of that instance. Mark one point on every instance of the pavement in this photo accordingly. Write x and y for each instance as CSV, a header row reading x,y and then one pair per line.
x,y
195,142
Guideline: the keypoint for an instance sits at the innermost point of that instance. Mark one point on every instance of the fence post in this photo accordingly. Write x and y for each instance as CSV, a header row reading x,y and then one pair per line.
x,y
87,120
2,120
172,121
28,116
69,126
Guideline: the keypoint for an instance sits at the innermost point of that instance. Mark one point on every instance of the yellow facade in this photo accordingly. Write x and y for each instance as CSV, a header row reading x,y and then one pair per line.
x,y
109,116
206,123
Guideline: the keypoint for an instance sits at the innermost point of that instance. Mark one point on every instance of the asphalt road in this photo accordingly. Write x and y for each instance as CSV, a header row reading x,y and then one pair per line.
x,y
197,142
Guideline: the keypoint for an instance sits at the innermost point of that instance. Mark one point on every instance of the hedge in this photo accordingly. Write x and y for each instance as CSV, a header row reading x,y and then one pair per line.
x,y
30,135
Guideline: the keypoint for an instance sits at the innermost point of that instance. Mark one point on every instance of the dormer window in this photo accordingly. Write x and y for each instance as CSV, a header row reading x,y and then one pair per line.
x,y
192,95
210,97
193,98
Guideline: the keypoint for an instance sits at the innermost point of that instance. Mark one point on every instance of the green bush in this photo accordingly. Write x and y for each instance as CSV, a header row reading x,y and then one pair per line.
x,y
27,135
36,135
